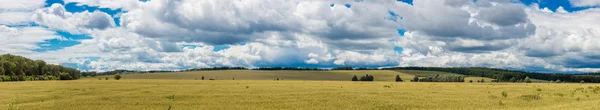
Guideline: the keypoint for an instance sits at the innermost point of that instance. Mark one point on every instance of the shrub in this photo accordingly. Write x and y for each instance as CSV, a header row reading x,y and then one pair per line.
x,y
530,97
398,79
354,78
415,79
117,76
29,78
65,76
52,78
504,94
513,79
482,80
388,86
527,79
105,78
99,78
470,81
581,81
367,77
202,77
438,78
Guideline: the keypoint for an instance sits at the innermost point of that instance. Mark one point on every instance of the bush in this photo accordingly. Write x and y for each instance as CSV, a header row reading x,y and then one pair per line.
x,y
482,80
415,79
581,81
117,76
202,77
105,78
65,76
29,78
504,94
530,97
438,78
5,78
367,77
52,78
398,79
527,79
470,81
513,79
354,78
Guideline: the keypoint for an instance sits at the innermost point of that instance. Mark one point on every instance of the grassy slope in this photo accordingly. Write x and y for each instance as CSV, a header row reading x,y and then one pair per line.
x,y
425,73
139,94
337,75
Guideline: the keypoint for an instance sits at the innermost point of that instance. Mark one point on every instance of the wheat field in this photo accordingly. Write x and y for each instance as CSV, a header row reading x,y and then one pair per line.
x,y
163,94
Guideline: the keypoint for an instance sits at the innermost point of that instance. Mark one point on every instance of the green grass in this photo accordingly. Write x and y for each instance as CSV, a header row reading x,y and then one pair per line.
x,y
420,73
158,94
337,75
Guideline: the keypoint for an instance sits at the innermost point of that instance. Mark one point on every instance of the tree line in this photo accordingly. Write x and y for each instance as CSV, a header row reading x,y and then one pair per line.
x,y
18,68
504,75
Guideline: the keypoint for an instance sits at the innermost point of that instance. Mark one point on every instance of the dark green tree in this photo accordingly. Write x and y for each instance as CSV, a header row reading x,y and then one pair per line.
x,y
398,79
415,79
527,80
354,78
117,76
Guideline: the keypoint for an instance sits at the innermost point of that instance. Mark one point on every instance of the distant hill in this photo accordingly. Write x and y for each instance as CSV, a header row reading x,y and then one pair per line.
x,y
505,75
18,68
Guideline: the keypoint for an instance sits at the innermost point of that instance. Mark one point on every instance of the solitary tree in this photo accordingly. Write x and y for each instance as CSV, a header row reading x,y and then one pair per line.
x,y
354,78
398,79
415,79
527,79
117,76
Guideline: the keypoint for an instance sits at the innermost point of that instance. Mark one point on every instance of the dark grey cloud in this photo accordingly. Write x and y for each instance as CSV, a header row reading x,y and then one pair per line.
x,y
457,3
444,21
100,20
478,49
504,15
540,53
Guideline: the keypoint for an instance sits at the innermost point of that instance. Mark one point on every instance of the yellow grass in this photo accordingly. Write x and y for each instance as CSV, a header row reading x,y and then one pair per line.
x,y
142,94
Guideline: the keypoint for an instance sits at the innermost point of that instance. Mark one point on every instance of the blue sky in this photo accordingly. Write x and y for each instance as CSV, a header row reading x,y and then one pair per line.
x,y
137,35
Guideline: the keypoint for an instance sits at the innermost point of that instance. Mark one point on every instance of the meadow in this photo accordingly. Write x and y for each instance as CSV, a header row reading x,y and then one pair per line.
x,y
294,92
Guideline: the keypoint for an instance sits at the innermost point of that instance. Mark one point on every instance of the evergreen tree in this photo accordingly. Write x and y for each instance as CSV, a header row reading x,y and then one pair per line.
x,y
354,78
398,79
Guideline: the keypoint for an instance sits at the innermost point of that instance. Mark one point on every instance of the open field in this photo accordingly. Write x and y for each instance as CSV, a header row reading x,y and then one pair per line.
x,y
159,94
420,73
337,75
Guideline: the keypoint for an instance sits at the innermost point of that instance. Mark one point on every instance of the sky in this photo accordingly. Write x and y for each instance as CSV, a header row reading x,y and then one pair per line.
x,y
104,35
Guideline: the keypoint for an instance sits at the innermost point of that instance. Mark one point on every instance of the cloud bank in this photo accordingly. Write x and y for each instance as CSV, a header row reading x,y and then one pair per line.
x,y
184,34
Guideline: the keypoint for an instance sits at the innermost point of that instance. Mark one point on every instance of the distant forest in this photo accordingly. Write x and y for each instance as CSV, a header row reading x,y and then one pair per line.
x,y
18,68
501,75
504,75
